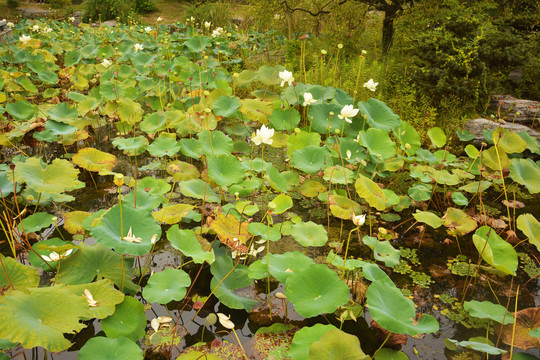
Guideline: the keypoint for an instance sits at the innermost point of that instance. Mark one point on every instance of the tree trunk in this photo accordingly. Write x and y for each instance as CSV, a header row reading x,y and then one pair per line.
x,y
388,31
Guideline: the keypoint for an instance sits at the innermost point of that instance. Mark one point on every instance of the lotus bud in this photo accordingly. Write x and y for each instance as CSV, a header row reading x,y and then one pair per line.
x,y
340,46
119,179
407,146
383,231
30,198
323,52
281,296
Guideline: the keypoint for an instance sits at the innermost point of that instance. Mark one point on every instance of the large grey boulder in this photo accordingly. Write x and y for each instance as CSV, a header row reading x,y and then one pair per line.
x,y
477,127
515,110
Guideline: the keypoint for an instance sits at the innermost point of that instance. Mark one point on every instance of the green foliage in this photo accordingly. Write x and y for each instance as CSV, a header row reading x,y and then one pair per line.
x,y
102,10
217,13
12,4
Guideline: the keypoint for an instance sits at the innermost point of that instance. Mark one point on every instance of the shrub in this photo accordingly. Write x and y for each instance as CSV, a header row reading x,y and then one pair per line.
x,y
219,14
107,10
12,3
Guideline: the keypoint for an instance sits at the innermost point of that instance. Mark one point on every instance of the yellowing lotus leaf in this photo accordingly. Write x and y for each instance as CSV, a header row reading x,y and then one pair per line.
x,y
172,214
231,232
370,191
94,160
57,177
73,222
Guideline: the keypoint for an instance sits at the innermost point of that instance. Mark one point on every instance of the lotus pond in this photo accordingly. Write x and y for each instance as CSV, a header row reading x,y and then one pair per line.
x,y
162,199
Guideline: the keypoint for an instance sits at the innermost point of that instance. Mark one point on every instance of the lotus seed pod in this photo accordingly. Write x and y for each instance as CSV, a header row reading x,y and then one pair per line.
x,y
119,179
211,319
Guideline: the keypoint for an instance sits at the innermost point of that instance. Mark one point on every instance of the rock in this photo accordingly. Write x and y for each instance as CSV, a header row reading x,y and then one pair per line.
x,y
110,23
515,110
477,127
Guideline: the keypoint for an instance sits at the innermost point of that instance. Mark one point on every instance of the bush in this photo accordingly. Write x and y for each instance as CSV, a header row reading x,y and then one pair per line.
x,y
59,4
12,3
145,6
107,10
219,14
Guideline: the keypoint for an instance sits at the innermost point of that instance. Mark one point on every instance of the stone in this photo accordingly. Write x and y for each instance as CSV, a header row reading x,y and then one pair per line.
x,y
477,127
515,110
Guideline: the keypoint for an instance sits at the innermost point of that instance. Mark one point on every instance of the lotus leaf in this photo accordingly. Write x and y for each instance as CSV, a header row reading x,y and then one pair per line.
x,y
349,264
458,222
226,106
256,110
129,111
428,218
285,119
489,310
228,278
377,142
478,346
94,160
21,110
89,262
371,192
532,143
57,177
48,77
45,248
518,334
153,186
172,214
306,336
131,146
437,137
528,224
145,199
390,309
310,159
277,180
495,251
311,188
389,354
140,222
128,320
508,141
248,208
63,113
309,234
231,232
323,122
379,115
166,286
54,130
246,187
225,170
281,266
264,231
337,174
302,140
495,158
190,244
476,186
6,186
383,251
153,123
198,189
338,345
16,274
36,222
280,204
182,171
459,199
215,143
344,208
120,348
420,192
526,172
27,320
105,295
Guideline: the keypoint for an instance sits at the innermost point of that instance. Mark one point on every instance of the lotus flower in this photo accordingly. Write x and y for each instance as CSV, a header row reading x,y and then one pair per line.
x,y
148,29
225,321
348,112
159,19
10,25
71,19
138,47
371,85
24,38
359,220
263,135
106,63
308,99
47,30
54,256
35,28
207,24
286,77
131,238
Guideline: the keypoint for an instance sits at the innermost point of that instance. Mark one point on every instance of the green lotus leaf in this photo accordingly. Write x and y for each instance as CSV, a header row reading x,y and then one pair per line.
x,y
349,264
280,204
508,141
532,143
57,177
153,123
6,186
285,119
131,146
41,316
489,310
276,179
48,77
420,192
337,345
89,262
428,218
145,200
54,131
63,113
172,214
460,199
379,115
94,160
478,346
306,336
302,140
338,174
191,148
309,234
495,251
528,224
198,189
310,159
322,121
246,207
371,192
472,151
45,248
141,223
72,58
73,222
311,188
197,44
226,105
128,320
264,231
437,137
215,143
383,251
458,222
246,187
105,295
464,135
166,286
526,172
164,146
182,171
281,266
377,142
256,110
153,186
316,290
129,111
16,274
476,186
120,348
21,110
390,309
26,84
225,170
495,158
226,280
36,222
191,244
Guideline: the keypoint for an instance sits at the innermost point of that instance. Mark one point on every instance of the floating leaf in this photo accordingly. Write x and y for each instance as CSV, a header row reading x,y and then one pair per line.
x,y
166,286
105,295
198,189
57,177
478,346
36,222
309,234
264,231
231,232
420,192
528,224
437,136
225,170
338,345
428,218
379,115
128,320
281,266
311,188
369,190
458,222
131,146
495,251
489,310
459,199
526,172
306,336
63,113
16,274
172,214
94,160
21,110
377,142
310,159
164,146
383,251
226,105
190,244
120,348
518,334
280,204
226,280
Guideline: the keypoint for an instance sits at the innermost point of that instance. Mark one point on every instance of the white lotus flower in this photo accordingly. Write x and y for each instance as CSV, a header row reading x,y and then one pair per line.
x,y
207,24
106,63
359,220
131,238
308,99
35,28
349,154
89,298
371,85
71,19
286,77
47,30
217,32
159,19
192,19
10,25
347,112
225,321
138,47
156,322
263,135
24,38
54,256
148,29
